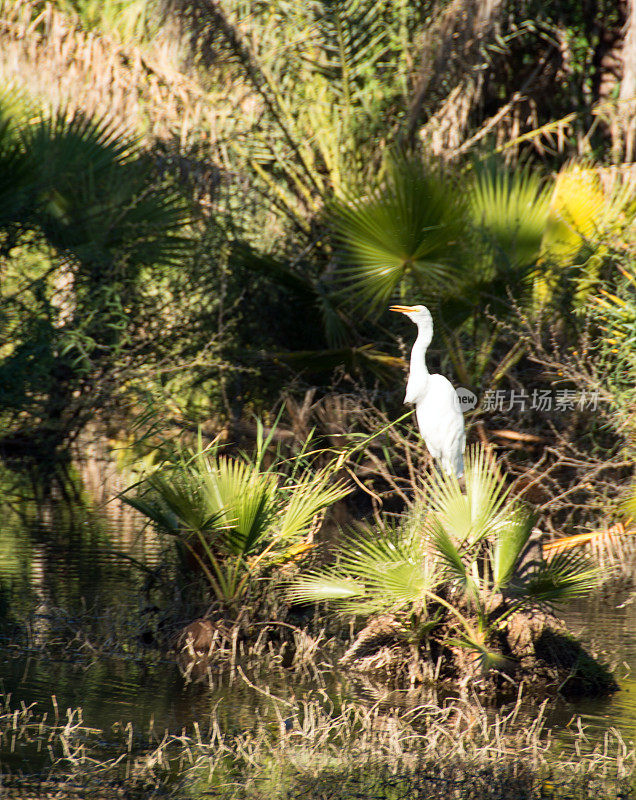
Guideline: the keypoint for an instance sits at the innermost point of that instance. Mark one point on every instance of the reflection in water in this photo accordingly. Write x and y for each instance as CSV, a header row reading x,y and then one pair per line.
x,y
65,556
607,627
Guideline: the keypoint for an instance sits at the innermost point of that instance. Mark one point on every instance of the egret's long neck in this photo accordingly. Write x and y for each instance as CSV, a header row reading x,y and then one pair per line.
x,y
418,373
418,354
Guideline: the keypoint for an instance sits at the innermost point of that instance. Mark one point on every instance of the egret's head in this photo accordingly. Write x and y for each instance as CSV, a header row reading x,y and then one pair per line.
x,y
420,315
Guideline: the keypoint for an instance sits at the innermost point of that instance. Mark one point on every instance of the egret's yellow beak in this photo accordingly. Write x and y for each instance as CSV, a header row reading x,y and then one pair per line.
x,y
402,309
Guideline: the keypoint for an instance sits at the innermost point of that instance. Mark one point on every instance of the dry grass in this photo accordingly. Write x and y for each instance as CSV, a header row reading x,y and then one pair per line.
x,y
317,747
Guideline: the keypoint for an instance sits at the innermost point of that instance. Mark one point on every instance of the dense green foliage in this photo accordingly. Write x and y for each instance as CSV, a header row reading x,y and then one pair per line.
x,y
206,207
82,220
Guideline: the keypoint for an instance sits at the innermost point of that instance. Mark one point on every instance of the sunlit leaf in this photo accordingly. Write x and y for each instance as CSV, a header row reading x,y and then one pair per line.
x,y
412,226
510,541
510,208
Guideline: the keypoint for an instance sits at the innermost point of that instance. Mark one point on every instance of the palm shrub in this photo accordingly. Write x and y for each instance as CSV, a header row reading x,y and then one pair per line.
x,y
453,569
235,517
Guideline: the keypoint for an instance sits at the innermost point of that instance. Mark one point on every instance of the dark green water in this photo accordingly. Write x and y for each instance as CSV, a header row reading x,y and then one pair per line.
x,y
59,569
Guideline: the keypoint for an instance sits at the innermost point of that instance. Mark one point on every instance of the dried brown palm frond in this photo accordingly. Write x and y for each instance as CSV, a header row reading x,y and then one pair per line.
x,y
46,53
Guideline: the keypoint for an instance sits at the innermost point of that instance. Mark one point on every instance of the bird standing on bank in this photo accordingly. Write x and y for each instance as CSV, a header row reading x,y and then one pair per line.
x,y
437,408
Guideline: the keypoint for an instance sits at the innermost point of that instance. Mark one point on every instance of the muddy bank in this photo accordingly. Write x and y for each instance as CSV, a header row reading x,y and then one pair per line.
x,y
536,652
537,655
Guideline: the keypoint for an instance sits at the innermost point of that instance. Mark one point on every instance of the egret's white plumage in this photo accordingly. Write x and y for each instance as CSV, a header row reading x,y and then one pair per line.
x,y
437,408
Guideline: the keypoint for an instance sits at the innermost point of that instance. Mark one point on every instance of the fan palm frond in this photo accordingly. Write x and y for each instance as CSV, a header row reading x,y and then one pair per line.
x,y
244,497
97,196
66,144
509,542
396,569
307,497
411,226
165,519
456,570
234,515
174,503
82,182
510,208
567,576
315,586
467,517
578,213
374,573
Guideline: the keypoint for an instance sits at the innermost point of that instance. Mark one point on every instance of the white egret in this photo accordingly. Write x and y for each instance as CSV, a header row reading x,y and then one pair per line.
x,y
437,407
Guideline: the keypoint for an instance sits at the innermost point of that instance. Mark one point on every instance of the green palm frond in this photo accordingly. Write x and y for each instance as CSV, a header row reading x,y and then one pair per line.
x,y
96,194
367,551
407,582
467,517
72,142
183,498
456,570
411,227
353,40
82,181
510,208
233,515
375,572
567,576
176,503
226,498
245,499
316,586
485,489
142,227
165,520
396,569
308,496
510,540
